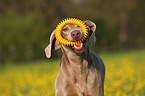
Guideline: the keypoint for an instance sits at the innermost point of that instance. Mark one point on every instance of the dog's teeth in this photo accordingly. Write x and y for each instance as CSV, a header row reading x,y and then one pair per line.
x,y
79,46
75,46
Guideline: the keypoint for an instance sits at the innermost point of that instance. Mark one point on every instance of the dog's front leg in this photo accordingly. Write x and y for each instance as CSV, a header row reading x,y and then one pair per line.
x,y
56,93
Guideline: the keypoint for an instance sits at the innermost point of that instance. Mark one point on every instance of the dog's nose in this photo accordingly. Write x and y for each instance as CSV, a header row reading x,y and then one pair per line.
x,y
76,34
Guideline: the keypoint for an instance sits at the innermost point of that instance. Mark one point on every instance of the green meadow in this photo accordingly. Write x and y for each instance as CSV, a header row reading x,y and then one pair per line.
x,y
124,76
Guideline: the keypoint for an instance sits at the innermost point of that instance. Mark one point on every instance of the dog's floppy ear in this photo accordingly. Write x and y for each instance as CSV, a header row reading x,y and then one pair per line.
x,y
92,28
54,44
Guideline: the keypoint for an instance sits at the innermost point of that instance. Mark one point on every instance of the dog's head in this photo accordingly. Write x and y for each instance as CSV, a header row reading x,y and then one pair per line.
x,y
73,32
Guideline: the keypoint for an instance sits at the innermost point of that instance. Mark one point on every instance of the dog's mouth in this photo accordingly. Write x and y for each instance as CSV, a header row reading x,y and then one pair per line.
x,y
78,48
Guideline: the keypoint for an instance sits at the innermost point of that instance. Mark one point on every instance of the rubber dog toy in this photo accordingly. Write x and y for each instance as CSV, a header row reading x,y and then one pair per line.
x,y
64,22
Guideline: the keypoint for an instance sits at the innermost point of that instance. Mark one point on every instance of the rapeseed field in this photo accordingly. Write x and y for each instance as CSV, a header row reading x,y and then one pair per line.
x,y
125,76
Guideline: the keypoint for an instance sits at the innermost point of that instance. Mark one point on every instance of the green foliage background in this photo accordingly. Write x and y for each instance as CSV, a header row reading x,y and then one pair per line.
x,y
26,25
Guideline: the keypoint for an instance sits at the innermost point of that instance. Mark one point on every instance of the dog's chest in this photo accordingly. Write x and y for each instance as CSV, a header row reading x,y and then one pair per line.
x,y
82,84
76,78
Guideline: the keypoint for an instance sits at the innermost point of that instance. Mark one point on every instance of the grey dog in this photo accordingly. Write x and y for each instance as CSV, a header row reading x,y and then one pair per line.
x,y
81,71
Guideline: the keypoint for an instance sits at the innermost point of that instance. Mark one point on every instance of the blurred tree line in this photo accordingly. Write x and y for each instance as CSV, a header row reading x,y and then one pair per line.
x,y
25,25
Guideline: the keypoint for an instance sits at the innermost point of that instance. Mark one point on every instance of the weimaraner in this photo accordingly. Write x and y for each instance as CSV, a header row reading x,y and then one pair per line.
x,y
81,71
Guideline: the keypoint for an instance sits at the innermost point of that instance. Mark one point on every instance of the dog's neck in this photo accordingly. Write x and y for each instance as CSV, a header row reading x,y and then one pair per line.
x,y
74,59
75,65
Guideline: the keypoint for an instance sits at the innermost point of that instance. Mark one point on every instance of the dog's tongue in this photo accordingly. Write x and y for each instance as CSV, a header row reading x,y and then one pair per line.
x,y
78,47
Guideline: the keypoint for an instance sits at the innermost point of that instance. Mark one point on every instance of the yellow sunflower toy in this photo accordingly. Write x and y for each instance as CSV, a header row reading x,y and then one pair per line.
x,y
59,27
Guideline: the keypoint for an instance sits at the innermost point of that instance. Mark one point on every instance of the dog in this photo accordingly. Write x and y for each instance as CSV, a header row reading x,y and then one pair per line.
x,y
81,71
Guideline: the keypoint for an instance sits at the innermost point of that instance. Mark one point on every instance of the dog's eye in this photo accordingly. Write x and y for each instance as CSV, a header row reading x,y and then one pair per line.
x,y
65,29
78,26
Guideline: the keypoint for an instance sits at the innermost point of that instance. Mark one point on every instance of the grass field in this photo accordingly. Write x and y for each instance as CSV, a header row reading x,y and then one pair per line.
x,y
125,76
